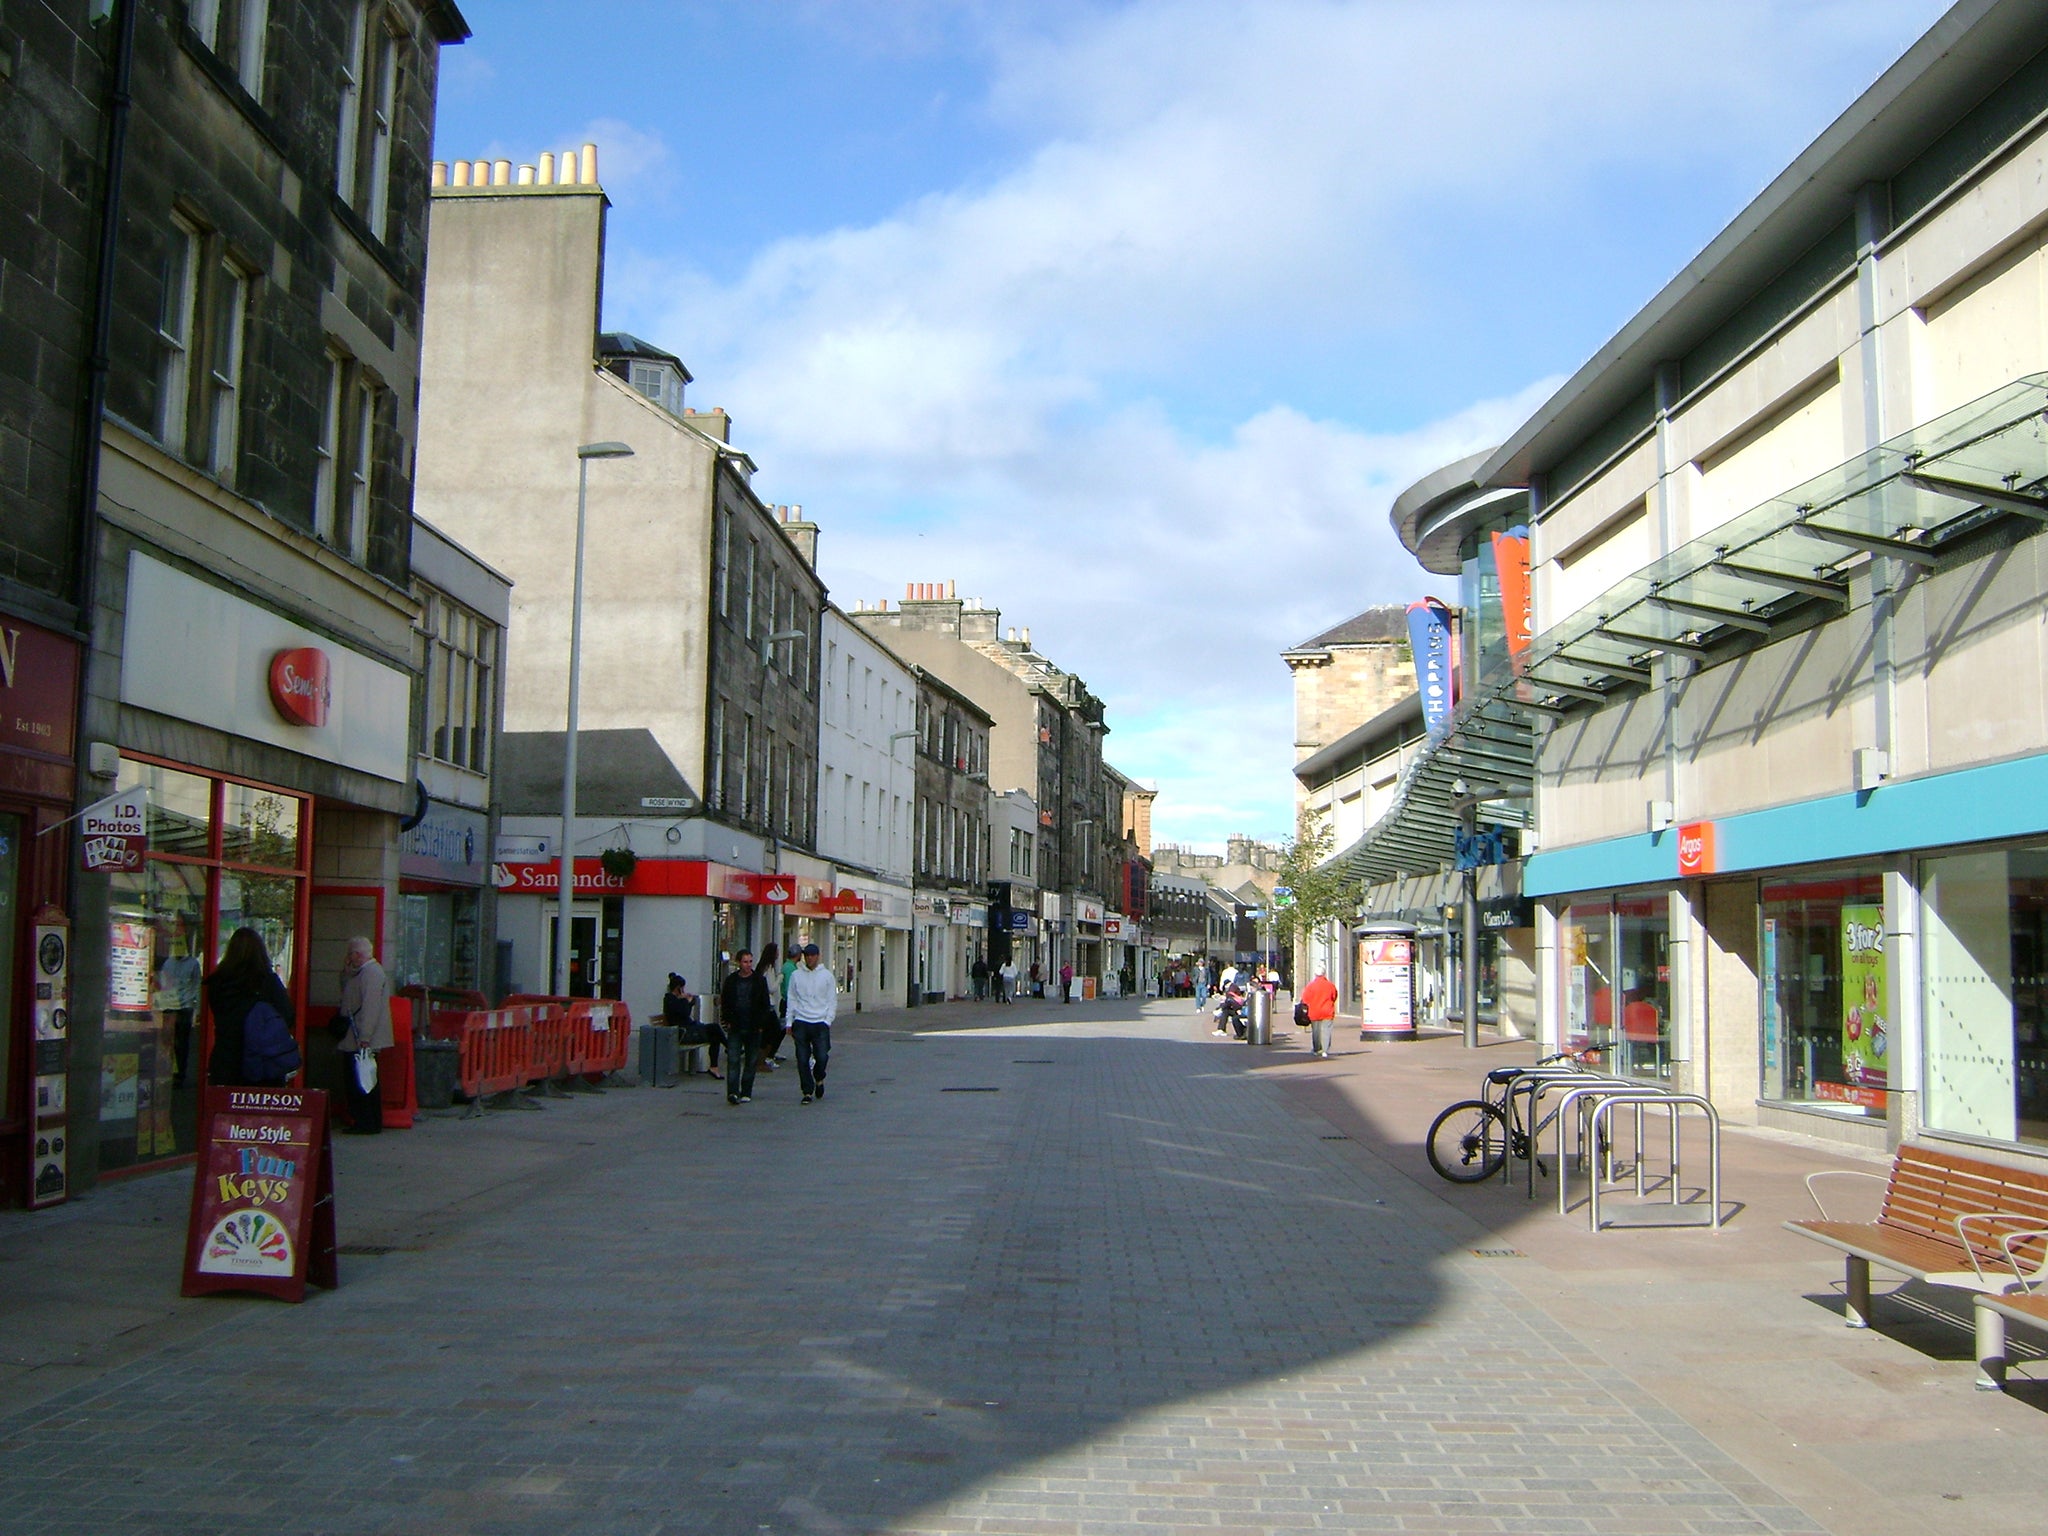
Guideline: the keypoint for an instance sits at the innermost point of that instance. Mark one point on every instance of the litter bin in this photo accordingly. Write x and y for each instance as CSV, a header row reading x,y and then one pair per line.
x,y
657,1055
1261,1030
436,1066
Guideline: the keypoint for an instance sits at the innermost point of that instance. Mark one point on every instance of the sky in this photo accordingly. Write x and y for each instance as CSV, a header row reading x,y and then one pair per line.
x,y
1132,319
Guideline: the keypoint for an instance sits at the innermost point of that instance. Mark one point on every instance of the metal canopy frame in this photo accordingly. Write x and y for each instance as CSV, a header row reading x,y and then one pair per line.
x,y
1755,577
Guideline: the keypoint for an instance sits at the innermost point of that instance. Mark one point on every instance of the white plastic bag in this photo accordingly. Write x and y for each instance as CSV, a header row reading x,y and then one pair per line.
x,y
366,1070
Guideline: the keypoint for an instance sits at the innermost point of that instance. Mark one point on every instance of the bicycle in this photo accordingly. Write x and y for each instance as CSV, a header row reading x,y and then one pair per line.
x,y
1472,1140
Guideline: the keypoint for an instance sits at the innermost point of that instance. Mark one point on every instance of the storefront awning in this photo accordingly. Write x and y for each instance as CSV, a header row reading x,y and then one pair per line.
x,y
1928,497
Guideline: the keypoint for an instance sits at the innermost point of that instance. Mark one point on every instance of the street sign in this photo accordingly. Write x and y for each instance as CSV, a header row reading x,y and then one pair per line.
x,y
667,803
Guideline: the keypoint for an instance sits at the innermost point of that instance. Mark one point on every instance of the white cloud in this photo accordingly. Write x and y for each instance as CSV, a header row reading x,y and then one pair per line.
x,y
984,386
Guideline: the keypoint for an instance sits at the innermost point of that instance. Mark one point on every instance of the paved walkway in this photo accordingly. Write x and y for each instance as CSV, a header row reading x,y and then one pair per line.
x,y
1032,1270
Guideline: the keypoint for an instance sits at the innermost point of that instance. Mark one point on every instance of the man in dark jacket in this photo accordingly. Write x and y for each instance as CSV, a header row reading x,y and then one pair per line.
x,y
747,1011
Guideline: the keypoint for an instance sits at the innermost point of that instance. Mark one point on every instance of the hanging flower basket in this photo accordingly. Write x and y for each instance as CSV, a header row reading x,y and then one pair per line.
x,y
619,863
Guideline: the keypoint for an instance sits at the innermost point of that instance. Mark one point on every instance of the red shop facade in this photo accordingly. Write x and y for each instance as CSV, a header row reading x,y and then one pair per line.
x,y
38,777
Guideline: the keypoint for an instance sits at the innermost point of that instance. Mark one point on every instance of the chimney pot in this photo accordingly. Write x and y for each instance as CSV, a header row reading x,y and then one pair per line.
x,y
949,591
547,168
524,177
588,174
501,173
461,173
907,590
438,177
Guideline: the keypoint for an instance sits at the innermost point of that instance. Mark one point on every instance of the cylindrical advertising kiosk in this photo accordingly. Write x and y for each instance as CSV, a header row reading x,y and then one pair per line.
x,y
1386,977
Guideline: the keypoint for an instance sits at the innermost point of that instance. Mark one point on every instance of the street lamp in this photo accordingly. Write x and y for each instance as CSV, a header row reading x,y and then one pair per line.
x,y
566,895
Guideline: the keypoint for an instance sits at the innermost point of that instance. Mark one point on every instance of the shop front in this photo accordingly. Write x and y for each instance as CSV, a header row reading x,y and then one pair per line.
x,y
1089,958
871,941
444,869
270,780
38,700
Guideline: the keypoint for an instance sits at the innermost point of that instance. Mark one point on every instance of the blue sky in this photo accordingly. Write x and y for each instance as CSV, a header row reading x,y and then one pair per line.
x,y
1132,319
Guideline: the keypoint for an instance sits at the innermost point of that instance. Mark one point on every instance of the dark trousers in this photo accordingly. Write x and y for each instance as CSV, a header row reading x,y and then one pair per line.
x,y
813,1050
714,1040
741,1055
365,1110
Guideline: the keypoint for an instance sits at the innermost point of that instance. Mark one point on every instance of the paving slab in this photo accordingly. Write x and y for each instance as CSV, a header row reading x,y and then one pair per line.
x,y
1075,1268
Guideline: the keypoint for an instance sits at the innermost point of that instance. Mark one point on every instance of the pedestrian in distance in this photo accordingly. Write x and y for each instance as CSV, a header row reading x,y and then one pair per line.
x,y
813,1004
1066,982
746,1008
366,1011
1319,1003
1201,985
978,974
679,1008
253,1042
1006,981
1037,980
776,968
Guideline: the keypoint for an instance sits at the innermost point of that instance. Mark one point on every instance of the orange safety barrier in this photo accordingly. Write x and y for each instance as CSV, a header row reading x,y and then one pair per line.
x,y
599,1033
550,1042
497,1051
444,1009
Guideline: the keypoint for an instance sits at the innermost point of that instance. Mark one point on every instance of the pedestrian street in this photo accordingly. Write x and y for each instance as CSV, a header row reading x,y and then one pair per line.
x,y
1083,1269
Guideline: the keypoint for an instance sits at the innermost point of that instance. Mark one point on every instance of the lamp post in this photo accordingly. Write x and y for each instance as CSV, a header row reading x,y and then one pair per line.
x,y
566,895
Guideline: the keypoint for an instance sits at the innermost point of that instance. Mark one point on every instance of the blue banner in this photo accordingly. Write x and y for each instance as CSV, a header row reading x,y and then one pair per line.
x,y
1429,638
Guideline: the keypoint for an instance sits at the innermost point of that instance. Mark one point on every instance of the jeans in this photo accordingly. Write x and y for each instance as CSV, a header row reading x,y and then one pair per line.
x,y
742,1050
1201,996
813,1050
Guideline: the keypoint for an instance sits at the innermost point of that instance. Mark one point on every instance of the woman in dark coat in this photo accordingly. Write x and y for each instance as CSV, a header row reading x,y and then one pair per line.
x,y
679,1007
242,977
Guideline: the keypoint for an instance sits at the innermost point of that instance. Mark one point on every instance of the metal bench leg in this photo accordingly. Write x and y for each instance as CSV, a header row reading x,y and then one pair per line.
x,y
1858,1278
1990,1350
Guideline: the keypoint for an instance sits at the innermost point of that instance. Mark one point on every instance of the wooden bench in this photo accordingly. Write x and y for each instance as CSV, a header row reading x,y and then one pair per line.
x,y
1948,1220
1994,1311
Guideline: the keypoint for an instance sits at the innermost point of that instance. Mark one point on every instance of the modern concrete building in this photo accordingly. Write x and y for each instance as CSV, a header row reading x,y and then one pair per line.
x,y
700,650
867,809
1789,574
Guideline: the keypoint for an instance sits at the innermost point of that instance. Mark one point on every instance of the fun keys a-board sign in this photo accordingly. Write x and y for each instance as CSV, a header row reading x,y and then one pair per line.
x,y
263,1196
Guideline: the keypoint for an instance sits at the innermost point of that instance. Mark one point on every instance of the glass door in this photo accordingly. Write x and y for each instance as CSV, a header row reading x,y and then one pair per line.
x,y
586,959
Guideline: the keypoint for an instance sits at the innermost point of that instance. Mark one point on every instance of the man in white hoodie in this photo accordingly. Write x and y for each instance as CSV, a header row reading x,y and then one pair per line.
x,y
813,1004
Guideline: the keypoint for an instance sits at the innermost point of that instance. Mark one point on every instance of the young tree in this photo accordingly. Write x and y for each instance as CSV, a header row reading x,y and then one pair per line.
x,y
1317,896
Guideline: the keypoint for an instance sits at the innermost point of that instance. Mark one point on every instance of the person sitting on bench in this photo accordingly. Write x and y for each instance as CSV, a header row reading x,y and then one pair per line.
x,y
679,1008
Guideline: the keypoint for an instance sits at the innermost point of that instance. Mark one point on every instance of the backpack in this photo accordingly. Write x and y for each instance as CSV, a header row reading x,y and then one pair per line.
x,y
269,1053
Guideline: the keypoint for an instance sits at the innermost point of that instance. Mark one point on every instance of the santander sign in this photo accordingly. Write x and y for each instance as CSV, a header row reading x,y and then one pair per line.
x,y
298,685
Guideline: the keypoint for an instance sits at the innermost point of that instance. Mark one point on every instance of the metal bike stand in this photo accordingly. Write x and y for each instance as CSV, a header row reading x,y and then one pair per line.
x,y
1586,1086
1677,1104
1532,1082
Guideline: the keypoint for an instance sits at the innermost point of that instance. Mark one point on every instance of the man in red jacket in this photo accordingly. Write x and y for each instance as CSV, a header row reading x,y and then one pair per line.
x,y
1319,998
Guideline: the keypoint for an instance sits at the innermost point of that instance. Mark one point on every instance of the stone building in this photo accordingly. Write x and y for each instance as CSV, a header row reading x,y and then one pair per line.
x,y
701,644
1046,738
1349,673
951,825
240,493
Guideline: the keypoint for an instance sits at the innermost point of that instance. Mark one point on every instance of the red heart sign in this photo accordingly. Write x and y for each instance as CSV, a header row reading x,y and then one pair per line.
x,y
298,685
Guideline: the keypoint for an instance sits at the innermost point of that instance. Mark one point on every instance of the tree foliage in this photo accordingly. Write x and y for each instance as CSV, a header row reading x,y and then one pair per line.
x,y
1321,895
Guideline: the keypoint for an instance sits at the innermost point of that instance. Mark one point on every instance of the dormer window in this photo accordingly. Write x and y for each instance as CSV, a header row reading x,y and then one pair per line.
x,y
660,382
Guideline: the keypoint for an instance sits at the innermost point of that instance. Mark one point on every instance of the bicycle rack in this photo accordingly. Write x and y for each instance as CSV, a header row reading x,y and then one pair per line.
x,y
1587,1088
1530,1080
1677,1104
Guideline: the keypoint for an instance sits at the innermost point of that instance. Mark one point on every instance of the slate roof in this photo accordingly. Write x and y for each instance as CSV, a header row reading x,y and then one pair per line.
x,y
614,769
1381,623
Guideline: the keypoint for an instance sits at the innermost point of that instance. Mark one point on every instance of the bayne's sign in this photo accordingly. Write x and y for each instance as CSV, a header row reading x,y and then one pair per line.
x,y
263,1195
1696,849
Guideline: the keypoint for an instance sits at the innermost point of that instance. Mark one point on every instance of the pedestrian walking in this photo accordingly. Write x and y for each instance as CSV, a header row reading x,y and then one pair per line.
x,y
813,1004
366,1010
978,974
1201,985
1066,982
1319,1002
747,1010
1037,980
253,1044
1006,981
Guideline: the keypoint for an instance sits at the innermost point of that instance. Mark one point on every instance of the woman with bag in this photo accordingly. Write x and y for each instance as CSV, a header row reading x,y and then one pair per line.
x,y
253,1044
365,1020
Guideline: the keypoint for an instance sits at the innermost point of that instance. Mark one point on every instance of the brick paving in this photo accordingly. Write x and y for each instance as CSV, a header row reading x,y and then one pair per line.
x,y
1134,1288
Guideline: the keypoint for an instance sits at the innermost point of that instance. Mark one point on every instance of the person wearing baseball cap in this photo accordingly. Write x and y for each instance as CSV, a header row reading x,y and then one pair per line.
x,y
813,1004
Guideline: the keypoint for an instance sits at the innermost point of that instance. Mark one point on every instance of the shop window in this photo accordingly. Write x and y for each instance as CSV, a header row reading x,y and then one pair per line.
x,y
221,855
1617,972
1823,1013
1985,968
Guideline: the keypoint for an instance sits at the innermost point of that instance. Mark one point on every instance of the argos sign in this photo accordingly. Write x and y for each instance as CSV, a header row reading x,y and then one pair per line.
x,y
299,687
1696,849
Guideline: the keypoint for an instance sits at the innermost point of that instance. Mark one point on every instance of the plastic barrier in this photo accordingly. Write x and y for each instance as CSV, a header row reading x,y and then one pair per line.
x,y
497,1053
550,1042
394,1070
599,1035
444,1009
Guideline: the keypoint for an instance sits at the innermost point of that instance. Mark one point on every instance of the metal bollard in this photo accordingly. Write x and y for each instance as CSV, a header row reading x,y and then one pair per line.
x,y
1260,1031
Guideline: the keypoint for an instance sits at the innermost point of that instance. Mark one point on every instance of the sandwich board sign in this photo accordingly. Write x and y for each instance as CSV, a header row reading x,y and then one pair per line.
x,y
263,1195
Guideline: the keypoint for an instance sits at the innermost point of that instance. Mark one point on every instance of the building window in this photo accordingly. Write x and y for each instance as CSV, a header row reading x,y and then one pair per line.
x,y
369,105
747,622
714,789
724,563
461,663
234,31
1617,971
659,382
346,455
1985,973
747,776
224,370
174,335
